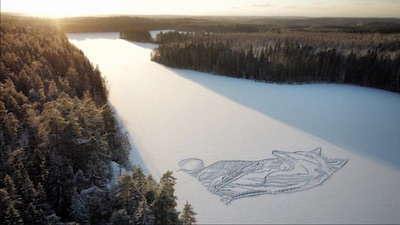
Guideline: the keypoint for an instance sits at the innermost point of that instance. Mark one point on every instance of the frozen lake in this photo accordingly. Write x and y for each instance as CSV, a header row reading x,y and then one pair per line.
x,y
174,114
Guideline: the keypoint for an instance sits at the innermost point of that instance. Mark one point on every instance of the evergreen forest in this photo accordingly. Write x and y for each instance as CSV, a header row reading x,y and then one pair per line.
x,y
368,59
140,35
358,51
59,138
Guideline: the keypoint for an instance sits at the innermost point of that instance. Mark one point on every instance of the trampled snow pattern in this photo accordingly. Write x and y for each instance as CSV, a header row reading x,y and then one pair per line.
x,y
289,172
174,114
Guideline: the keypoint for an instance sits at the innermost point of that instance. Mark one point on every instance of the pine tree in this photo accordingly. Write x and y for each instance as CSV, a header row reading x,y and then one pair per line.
x,y
125,193
143,214
118,142
121,217
51,128
59,185
12,191
10,203
79,209
150,189
28,194
188,216
52,92
95,198
36,214
80,181
41,200
11,126
165,203
13,217
25,185
5,200
98,171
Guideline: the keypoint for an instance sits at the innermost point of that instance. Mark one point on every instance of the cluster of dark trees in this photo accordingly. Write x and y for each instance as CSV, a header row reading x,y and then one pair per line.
x,y
139,199
59,137
284,58
136,34
172,36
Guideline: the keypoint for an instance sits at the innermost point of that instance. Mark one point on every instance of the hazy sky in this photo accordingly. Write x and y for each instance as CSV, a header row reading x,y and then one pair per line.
x,y
314,8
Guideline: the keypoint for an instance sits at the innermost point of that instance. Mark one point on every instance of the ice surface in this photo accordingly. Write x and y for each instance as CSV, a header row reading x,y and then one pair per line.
x,y
175,114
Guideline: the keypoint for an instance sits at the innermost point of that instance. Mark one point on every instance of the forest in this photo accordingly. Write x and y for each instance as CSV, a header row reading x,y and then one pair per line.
x,y
59,138
359,51
244,24
368,59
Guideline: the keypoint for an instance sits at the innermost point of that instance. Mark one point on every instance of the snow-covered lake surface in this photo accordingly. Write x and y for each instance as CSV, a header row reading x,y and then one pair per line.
x,y
176,114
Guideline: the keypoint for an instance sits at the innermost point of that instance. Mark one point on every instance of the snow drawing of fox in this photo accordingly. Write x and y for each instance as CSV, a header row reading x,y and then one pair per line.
x,y
288,172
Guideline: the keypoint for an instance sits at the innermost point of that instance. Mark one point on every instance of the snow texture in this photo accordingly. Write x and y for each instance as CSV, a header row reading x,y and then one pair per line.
x,y
174,114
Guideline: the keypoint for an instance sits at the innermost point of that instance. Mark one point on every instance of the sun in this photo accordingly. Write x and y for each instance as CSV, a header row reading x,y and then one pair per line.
x,y
42,8
56,13
60,8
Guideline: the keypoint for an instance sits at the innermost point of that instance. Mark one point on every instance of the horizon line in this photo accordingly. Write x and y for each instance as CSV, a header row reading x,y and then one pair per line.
x,y
41,15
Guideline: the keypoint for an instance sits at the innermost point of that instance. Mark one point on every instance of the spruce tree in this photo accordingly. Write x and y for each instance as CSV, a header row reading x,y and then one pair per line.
x,y
125,193
165,202
121,217
15,198
188,216
144,214
5,200
13,216
79,209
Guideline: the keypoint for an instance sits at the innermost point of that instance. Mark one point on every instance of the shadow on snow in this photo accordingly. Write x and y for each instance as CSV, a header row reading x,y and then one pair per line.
x,y
362,120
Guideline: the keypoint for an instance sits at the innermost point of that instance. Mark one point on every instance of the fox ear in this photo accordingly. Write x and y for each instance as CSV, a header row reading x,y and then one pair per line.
x,y
317,150
336,163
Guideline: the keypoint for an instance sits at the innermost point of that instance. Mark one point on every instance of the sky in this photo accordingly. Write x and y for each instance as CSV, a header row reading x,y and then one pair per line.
x,y
311,8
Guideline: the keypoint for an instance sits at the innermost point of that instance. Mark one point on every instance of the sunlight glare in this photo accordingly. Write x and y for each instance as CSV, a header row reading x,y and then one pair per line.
x,y
57,9
313,8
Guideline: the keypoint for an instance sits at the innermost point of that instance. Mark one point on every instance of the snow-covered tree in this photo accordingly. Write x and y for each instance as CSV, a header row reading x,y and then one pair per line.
x,y
165,204
150,188
96,198
125,193
118,142
121,217
143,214
80,181
79,209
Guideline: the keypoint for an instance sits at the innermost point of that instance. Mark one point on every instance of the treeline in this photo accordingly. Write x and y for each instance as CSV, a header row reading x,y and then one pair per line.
x,y
59,137
294,24
286,58
119,23
106,24
229,24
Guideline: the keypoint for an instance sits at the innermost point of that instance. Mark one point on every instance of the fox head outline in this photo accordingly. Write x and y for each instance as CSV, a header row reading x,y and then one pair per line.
x,y
311,161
